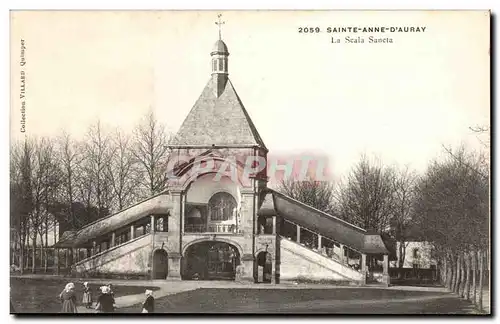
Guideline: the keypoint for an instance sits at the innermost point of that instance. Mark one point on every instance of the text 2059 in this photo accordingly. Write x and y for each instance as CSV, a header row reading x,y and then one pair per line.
x,y
309,30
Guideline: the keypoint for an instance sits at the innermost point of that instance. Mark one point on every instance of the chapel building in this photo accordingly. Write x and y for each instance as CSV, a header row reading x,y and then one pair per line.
x,y
208,227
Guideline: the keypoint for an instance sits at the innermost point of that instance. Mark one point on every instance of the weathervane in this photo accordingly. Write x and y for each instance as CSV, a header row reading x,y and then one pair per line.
x,y
220,23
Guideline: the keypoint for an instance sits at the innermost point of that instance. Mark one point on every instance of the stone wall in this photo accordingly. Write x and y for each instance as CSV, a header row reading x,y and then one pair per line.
x,y
132,257
298,262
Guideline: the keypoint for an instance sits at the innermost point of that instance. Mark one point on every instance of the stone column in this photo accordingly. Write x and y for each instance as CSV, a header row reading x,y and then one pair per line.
x,y
342,257
94,247
113,240
364,268
56,260
153,224
298,233
386,279
182,217
174,225
174,266
165,223
245,271
274,224
273,269
67,257
319,243
132,232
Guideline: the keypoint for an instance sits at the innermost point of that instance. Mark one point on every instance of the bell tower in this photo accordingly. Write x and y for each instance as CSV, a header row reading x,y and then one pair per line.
x,y
220,56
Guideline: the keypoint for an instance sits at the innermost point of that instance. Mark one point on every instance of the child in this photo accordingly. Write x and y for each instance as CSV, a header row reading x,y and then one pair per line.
x,y
87,295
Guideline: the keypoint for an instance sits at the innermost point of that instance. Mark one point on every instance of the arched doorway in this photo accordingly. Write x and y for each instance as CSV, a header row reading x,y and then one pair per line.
x,y
211,260
264,267
160,264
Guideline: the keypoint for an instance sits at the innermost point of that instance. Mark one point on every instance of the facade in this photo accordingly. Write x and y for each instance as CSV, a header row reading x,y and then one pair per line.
x,y
418,254
209,226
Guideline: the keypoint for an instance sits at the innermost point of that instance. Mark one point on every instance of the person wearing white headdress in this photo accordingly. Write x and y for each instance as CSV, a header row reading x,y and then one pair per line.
x,y
68,299
87,295
149,303
105,301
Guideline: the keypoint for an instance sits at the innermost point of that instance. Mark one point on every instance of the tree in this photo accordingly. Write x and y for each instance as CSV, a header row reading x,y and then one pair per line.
x,y
403,183
317,194
45,180
151,153
366,197
21,195
69,159
452,204
96,178
123,171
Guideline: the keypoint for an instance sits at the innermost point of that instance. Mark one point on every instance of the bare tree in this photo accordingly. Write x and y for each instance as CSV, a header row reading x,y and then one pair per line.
x,y
318,194
123,171
152,154
366,197
97,159
481,131
403,182
21,195
69,159
452,205
44,183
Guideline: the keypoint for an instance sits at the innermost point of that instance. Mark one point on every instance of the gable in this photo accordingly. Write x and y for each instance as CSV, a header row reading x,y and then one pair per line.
x,y
219,121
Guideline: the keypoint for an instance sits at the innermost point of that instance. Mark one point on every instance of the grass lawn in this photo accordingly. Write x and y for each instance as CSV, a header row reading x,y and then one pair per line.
x,y
41,295
332,301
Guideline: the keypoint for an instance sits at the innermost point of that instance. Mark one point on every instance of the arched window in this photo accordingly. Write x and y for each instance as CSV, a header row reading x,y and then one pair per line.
x,y
221,206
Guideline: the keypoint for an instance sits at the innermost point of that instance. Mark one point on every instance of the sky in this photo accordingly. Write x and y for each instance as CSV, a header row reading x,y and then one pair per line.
x,y
398,101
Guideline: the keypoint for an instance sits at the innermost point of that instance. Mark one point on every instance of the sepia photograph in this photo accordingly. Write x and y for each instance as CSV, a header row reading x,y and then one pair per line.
x,y
250,162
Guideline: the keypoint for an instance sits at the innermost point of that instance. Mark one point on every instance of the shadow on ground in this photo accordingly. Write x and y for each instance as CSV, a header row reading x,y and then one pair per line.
x,y
320,301
41,296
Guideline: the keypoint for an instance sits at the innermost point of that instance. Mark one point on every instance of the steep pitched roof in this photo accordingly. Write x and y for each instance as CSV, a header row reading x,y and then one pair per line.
x,y
219,120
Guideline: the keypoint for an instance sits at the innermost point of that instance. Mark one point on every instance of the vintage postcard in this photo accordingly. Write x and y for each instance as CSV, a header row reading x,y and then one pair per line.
x,y
314,162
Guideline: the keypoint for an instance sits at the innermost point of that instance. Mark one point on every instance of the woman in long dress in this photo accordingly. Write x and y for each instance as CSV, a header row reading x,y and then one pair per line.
x,y
87,295
68,298
105,301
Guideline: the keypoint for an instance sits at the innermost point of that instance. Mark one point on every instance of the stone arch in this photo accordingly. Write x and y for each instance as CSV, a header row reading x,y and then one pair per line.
x,y
219,239
222,193
238,165
264,262
211,260
160,264
263,250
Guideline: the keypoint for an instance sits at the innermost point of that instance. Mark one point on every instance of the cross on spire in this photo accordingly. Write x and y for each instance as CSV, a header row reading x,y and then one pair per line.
x,y
219,24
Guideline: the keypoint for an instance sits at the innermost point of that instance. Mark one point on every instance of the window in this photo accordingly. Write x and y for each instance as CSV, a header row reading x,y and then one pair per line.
x,y
221,206
214,65
415,253
220,65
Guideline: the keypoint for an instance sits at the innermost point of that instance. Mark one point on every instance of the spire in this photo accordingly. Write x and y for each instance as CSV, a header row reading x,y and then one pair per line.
x,y
218,117
219,61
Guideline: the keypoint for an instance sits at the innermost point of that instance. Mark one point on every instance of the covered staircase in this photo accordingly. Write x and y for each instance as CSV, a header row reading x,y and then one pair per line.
x,y
299,261
319,246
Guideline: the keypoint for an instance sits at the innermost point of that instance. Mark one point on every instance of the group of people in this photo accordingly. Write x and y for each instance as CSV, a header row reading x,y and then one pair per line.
x,y
104,303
